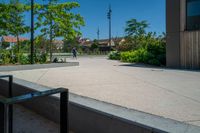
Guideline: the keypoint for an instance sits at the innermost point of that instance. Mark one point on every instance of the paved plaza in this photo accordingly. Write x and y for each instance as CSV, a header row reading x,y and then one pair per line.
x,y
169,93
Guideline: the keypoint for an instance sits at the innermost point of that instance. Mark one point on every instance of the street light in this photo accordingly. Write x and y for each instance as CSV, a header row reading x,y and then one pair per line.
x,y
32,31
98,32
109,15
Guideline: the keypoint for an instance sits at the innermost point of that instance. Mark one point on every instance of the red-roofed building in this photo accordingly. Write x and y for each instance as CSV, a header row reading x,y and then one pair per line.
x,y
11,40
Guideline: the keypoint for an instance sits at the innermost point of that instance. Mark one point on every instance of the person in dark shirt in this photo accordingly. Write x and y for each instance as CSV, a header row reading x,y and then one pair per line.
x,y
74,52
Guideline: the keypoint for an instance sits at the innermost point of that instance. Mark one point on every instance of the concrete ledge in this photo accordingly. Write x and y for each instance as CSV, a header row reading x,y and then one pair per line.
x,y
87,115
36,66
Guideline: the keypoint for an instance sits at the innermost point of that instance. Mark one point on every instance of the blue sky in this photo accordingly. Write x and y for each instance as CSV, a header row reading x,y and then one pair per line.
x,y
95,11
95,15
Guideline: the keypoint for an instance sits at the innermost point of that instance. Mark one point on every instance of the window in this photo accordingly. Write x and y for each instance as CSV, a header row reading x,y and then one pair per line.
x,y
193,14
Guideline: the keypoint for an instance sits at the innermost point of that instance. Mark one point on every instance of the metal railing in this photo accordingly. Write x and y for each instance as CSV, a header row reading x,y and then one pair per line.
x,y
10,107
10,82
6,107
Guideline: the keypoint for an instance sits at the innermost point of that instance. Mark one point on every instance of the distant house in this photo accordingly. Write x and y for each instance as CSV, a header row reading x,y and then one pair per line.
x,y
114,41
85,42
59,44
103,42
11,40
119,40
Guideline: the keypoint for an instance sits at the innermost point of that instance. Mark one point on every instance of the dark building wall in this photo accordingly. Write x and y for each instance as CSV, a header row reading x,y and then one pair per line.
x,y
183,47
173,35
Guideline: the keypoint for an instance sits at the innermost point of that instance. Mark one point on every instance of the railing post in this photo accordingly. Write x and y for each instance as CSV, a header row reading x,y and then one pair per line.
x,y
2,117
10,86
10,110
64,124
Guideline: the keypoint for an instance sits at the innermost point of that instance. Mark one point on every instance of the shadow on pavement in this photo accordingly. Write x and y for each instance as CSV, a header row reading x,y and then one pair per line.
x,y
161,68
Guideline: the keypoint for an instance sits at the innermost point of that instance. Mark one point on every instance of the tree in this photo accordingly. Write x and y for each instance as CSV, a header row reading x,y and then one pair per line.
x,y
94,45
4,9
15,20
57,20
5,45
69,44
136,28
41,44
135,32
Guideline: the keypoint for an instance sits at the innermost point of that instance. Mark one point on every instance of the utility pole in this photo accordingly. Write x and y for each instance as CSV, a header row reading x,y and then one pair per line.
x,y
109,16
51,32
32,31
51,40
98,32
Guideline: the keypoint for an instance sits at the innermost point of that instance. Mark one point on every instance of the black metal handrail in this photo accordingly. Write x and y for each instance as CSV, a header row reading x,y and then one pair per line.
x,y
10,94
6,102
10,82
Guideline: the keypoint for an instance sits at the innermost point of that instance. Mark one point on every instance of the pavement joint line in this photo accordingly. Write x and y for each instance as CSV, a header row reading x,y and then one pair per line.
x,y
42,75
192,121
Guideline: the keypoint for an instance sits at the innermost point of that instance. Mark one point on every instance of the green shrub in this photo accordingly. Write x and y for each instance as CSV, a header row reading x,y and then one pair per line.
x,y
159,52
39,58
42,58
13,59
23,59
5,57
152,51
154,56
8,57
128,56
114,55
154,62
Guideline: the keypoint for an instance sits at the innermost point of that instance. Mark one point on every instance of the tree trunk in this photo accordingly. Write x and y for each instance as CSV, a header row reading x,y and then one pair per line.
x,y
51,33
18,44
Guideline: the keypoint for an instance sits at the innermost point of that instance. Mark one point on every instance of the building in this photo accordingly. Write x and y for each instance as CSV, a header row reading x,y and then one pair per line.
x,y
183,33
85,42
11,40
59,44
103,42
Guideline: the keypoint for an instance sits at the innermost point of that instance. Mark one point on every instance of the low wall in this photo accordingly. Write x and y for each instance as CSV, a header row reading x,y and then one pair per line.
x,y
87,115
37,66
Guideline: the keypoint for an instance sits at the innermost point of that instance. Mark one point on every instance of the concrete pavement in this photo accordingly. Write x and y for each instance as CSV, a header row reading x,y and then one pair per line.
x,y
169,93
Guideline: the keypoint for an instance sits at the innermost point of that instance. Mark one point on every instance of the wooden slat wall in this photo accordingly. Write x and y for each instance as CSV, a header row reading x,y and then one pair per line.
x,y
190,50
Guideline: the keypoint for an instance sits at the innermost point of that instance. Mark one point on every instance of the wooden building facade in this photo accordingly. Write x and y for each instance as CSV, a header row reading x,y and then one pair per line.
x,y
183,34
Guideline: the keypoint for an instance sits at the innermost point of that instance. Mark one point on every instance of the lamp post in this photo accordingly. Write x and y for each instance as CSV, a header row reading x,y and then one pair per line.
x,y
32,31
51,32
109,15
98,32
